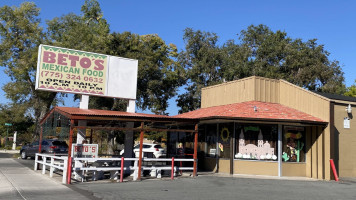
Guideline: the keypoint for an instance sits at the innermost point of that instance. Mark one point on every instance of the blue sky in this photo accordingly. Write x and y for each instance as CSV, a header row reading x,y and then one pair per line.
x,y
331,22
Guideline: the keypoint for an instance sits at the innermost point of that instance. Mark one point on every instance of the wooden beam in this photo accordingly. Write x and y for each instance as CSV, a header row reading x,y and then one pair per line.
x,y
195,150
40,142
69,167
134,129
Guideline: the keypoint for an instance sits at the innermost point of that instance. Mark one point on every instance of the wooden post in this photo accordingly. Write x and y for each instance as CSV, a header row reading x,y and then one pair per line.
x,y
69,165
195,150
172,170
40,142
140,154
122,170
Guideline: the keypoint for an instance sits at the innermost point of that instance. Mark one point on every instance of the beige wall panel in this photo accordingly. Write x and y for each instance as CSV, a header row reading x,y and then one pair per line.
x,y
320,141
294,169
308,165
347,141
224,166
255,167
303,100
327,153
228,93
209,164
267,90
314,153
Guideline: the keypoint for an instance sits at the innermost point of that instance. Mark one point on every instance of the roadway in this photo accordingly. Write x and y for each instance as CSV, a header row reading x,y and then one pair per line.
x,y
205,186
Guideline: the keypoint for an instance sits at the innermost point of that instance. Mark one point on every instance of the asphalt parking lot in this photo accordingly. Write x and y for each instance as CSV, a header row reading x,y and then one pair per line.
x,y
214,187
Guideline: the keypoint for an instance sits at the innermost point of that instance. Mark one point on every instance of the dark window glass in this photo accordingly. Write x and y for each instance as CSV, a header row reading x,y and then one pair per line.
x,y
44,143
158,146
59,143
211,140
293,144
225,135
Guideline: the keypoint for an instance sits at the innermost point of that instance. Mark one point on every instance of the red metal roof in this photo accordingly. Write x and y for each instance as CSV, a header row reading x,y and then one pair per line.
x,y
245,110
108,113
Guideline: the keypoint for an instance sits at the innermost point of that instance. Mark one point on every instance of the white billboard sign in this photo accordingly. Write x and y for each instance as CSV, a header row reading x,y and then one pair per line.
x,y
72,71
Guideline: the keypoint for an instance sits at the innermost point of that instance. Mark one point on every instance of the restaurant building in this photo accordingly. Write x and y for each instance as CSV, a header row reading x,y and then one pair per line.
x,y
263,126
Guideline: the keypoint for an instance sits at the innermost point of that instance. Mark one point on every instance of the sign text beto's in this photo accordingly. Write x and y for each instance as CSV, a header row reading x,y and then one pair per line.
x,y
66,70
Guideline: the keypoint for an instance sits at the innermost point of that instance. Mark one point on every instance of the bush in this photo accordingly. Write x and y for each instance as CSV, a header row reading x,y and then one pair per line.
x,y
18,147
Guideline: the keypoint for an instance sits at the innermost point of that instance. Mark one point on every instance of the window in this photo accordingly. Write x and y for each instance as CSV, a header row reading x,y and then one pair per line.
x,y
211,150
256,142
293,144
225,135
45,143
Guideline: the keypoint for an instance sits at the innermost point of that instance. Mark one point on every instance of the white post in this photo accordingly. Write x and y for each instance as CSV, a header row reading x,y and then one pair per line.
x,y
84,104
36,160
65,170
14,142
280,150
44,160
135,171
51,168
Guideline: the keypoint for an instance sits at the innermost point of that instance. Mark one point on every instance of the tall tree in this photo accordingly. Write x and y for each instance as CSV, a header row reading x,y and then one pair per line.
x,y
159,75
20,36
202,62
261,52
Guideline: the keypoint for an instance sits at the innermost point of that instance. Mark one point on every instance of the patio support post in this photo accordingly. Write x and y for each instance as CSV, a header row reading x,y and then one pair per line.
x,y
195,150
140,154
69,166
40,142
279,150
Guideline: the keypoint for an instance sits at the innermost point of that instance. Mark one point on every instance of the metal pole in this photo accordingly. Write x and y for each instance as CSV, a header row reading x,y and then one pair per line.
x,y
195,150
279,150
7,136
140,156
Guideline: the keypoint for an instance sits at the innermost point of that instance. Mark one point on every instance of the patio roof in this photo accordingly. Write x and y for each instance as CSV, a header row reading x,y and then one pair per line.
x,y
253,110
94,114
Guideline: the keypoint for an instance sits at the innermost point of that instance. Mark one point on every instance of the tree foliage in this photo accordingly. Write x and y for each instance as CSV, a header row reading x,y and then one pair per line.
x,y
351,91
20,36
159,75
260,52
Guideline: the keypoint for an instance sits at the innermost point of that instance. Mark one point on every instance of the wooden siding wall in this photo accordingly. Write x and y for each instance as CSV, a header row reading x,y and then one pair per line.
x,y
266,90
256,167
318,106
345,141
247,89
303,100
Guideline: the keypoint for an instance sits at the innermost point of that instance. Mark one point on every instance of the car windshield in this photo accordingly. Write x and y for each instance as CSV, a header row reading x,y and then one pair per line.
x,y
59,143
158,146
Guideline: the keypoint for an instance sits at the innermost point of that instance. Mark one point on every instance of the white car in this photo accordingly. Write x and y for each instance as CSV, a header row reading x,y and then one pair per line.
x,y
147,148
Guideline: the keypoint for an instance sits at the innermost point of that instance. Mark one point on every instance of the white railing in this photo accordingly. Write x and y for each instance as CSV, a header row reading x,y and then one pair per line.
x,y
55,162
114,165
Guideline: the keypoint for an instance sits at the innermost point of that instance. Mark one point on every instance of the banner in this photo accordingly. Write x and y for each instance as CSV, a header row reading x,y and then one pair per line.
x,y
72,71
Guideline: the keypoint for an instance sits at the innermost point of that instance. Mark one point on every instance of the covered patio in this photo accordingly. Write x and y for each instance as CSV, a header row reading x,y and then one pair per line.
x,y
62,122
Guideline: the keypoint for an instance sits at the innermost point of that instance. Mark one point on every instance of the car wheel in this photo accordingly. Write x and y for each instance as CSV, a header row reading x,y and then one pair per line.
x,y
23,155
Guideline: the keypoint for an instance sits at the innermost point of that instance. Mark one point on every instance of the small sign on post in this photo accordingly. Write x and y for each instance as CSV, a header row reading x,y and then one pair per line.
x,y
85,150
